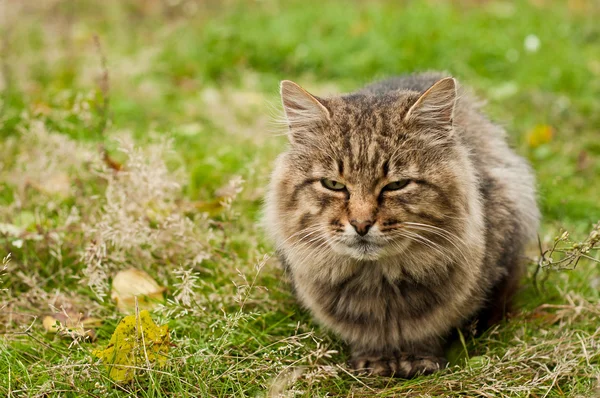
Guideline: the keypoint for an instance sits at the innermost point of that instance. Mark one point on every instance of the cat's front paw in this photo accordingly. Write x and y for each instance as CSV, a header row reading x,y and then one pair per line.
x,y
401,365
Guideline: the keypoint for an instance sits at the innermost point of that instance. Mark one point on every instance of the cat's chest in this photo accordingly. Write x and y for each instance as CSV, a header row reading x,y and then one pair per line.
x,y
368,296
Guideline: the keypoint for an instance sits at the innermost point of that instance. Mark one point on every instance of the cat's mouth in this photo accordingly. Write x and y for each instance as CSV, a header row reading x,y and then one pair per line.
x,y
369,248
360,249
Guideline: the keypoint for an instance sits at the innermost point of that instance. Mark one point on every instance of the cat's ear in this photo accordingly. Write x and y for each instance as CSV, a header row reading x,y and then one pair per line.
x,y
436,105
301,108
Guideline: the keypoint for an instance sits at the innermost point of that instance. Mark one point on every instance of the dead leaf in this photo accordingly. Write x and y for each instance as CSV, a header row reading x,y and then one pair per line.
x,y
110,162
137,342
212,207
68,324
540,314
132,283
539,135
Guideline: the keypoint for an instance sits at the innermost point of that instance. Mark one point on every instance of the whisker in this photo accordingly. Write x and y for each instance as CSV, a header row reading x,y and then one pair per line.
x,y
326,241
439,232
421,239
449,237
293,249
314,227
308,231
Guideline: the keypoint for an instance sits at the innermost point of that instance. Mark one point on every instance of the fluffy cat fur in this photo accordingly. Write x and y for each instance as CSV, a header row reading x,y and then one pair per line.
x,y
424,229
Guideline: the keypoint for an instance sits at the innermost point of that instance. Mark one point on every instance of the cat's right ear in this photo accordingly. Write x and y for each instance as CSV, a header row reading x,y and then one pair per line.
x,y
436,106
301,108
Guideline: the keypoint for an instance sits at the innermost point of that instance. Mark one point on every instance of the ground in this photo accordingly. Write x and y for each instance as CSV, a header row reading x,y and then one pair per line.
x,y
140,134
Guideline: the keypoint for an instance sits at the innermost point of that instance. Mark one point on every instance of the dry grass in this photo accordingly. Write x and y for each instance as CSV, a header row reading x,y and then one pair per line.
x,y
163,170
138,216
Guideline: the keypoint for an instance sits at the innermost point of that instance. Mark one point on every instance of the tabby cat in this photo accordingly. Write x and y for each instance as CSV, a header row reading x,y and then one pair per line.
x,y
400,214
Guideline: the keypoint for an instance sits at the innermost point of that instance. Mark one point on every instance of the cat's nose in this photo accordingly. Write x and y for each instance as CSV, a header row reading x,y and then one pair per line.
x,y
361,226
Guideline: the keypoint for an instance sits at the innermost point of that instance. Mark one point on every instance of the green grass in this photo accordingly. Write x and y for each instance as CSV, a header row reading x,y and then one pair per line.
x,y
205,76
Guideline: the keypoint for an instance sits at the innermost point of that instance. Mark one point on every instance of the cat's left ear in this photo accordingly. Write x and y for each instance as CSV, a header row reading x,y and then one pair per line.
x,y
436,105
301,108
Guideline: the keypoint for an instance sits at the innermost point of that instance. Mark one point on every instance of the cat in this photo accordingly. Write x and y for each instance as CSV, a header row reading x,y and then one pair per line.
x,y
400,214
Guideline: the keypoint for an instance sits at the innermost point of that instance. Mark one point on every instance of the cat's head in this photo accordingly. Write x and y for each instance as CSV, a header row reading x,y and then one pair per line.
x,y
370,176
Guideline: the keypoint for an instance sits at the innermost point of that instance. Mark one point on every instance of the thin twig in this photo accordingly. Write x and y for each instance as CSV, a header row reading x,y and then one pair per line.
x,y
539,266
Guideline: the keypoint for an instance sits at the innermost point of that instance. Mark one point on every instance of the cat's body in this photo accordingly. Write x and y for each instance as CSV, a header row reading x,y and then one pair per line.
x,y
400,214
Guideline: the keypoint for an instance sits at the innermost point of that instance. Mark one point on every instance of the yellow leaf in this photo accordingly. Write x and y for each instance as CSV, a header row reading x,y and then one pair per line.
x,y
71,325
213,207
541,134
136,344
132,283
49,324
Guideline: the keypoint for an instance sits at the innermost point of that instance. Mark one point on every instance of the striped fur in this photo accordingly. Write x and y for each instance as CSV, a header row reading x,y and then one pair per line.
x,y
445,249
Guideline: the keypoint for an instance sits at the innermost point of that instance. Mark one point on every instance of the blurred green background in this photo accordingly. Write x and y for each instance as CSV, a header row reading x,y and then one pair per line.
x,y
535,62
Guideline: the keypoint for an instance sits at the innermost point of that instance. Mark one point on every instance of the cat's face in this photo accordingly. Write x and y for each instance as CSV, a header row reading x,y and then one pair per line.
x,y
367,177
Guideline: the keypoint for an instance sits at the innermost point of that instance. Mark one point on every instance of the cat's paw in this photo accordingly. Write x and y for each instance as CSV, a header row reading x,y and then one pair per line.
x,y
373,365
401,365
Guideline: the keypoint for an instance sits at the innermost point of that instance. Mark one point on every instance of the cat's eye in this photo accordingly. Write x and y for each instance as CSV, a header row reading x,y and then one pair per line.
x,y
396,185
333,185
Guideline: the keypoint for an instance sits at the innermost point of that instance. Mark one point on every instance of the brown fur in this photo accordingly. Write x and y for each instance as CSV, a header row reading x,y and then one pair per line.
x,y
393,272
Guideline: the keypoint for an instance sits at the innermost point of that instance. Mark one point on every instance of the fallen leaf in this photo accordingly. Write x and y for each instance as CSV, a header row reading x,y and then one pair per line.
x,y
110,162
545,317
132,283
71,325
137,342
49,324
213,207
539,135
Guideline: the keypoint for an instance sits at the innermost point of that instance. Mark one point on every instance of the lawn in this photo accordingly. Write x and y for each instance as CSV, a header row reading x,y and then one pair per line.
x,y
140,134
